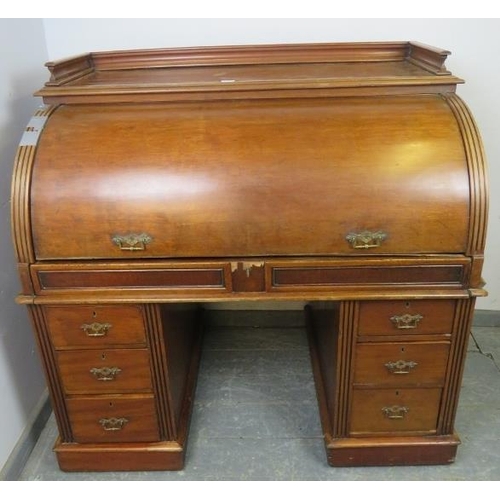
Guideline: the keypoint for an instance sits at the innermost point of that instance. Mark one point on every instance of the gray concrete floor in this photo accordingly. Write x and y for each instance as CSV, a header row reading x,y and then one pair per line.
x,y
256,417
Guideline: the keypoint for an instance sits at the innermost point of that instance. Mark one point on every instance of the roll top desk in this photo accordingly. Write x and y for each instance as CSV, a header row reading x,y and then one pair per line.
x,y
348,176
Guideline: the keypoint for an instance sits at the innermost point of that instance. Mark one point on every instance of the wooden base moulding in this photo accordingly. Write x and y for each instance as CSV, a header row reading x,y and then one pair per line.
x,y
124,457
426,450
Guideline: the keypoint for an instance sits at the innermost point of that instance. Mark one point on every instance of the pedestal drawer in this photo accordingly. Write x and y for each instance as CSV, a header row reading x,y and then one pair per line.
x,y
393,411
401,364
398,317
95,326
113,419
105,371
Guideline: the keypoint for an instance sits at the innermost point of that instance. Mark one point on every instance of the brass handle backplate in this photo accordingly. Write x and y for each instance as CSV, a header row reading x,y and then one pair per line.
x,y
105,373
407,321
113,423
96,329
395,412
132,242
366,239
400,367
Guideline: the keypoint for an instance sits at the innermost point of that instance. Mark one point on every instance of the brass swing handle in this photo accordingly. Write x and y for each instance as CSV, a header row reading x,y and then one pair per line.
x,y
113,423
400,367
96,329
407,321
105,373
366,239
132,242
395,412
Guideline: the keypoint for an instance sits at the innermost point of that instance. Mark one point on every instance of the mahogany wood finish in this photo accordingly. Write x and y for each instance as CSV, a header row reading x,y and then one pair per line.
x,y
104,371
92,422
436,317
350,176
96,326
394,411
401,363
271,141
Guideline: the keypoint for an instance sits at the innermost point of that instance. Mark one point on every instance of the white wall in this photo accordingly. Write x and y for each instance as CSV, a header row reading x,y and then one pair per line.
x,y
22,54
475,44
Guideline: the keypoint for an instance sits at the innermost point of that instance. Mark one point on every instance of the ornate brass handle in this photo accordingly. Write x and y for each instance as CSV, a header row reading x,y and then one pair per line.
x,y
132,242
105,373
407,321
395,412
96,329
400,367
366,239
113,423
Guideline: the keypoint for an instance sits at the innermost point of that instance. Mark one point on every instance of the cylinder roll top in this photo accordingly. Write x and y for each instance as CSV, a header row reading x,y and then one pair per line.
x,y
372,175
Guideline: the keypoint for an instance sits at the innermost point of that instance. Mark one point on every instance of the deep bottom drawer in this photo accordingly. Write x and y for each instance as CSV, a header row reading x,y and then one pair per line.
x,y
113,419
394,411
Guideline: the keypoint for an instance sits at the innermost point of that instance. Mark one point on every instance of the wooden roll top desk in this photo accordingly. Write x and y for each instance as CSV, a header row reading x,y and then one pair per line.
x,y
349,176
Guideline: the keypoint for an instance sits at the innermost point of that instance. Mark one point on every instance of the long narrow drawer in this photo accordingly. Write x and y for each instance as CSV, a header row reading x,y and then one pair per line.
x,y
401,364
394,411
400,317
187,276
113,419
105,371
95,326
320,276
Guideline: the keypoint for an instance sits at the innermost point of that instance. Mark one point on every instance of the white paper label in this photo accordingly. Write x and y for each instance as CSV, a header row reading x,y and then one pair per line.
x,y
32,132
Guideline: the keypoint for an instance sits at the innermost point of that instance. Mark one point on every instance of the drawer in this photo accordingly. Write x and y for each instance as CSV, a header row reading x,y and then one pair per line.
x,y
105,371
113,419
95,326
188,276
314,276
399,317
401,364
394,410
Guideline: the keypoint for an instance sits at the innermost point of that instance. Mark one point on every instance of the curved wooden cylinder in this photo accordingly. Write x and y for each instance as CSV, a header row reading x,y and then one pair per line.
x,y
204,180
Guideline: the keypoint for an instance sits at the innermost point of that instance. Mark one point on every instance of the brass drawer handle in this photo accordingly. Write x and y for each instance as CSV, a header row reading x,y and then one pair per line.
x,y
113,423
407,321
132,242
366,239
395,412
96,329
106,373
400,367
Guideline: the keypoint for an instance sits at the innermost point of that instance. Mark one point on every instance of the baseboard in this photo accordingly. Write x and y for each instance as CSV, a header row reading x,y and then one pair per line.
x,y
486,318
22,451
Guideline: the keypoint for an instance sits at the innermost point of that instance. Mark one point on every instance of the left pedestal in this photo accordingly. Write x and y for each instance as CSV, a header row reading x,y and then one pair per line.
x,y
122,381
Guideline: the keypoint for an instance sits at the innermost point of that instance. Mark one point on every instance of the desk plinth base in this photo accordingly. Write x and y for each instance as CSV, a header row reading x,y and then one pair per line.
x,y
165,455
425,450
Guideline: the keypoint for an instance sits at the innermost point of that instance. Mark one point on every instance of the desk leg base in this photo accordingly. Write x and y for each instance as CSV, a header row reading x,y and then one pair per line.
x,y
424,450
133,457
